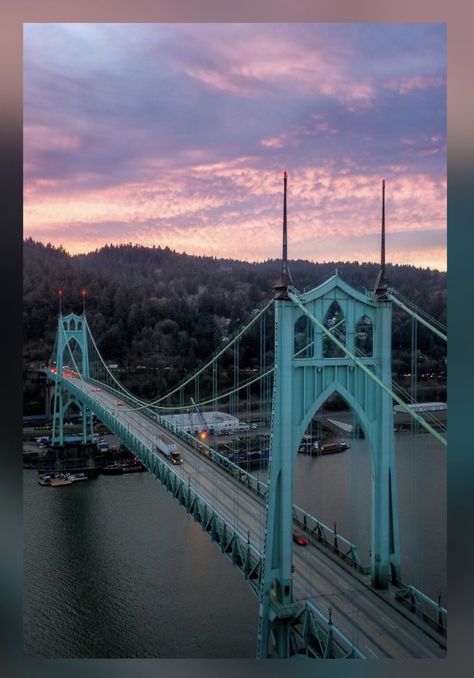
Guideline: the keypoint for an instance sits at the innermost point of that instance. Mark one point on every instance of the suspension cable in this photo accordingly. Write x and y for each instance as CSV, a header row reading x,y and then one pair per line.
x,y
420,420
217,354
416,315
421,311
145,405
122,388
154,403
332,333
397,387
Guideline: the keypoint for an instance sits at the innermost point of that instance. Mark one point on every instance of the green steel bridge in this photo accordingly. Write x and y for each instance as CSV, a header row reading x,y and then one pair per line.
x,y
316,602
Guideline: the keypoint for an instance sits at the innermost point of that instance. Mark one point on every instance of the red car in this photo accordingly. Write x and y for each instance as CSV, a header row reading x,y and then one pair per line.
x,y
300,539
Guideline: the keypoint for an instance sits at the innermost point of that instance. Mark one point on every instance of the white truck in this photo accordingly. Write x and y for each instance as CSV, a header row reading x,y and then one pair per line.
x,y
169,450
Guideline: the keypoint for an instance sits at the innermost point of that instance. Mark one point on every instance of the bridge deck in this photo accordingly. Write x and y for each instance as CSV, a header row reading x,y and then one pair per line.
x,y
365,618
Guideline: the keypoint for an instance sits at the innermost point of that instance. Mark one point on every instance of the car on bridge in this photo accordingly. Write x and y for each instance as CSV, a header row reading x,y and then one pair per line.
x,y
300,539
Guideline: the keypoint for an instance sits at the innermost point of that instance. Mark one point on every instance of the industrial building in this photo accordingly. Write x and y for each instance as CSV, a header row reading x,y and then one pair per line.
x,y
217,422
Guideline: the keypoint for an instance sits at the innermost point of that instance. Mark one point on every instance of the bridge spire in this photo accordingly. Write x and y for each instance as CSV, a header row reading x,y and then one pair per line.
x,y
282,285
83,294
60,295
380,289
284,265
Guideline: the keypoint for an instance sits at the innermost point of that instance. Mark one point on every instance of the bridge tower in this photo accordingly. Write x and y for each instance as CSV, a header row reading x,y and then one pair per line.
x,y
71,334
304,379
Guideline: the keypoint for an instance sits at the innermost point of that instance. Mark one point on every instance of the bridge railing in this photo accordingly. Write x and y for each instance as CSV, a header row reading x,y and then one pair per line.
x,y
316,530
234,545
424,607
315,636
244,477
323,534
241,475
216,457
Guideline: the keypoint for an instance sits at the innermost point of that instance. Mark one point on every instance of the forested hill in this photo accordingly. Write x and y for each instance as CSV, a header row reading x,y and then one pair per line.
x,y
155,307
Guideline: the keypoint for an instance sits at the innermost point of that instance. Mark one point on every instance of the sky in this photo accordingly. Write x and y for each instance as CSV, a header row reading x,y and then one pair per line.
x,y
178,135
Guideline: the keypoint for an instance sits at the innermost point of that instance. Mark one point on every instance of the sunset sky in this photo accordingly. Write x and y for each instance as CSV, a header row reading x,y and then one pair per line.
x,y
178,135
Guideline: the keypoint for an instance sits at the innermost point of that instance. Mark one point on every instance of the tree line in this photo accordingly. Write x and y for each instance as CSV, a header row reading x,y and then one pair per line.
x,y
168,312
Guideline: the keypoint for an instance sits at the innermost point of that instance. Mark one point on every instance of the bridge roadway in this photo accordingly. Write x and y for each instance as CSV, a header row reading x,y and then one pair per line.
x,y
374,626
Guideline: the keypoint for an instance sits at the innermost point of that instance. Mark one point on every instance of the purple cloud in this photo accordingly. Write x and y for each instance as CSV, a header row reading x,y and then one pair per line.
x,y
175,129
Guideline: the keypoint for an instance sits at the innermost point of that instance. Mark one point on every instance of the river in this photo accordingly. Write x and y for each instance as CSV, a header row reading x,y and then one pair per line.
x,y
114,567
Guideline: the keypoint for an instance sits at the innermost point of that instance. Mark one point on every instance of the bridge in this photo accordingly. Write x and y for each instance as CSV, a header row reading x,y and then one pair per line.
x,y
315,602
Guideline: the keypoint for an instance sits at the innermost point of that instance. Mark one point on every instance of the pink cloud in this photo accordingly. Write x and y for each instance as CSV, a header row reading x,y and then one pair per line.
x,y
264,60
47,138
193,158
131,201
240,215
415,82
317,126
273,142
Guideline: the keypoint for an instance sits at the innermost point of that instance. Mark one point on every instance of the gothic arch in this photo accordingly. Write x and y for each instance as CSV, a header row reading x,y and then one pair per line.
x,y
303,335
335,322
360,413
301,386
70,346
72,350
70,400
364,337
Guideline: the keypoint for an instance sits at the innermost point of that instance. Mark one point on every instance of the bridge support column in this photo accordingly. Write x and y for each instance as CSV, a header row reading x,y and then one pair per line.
x,y
87,425
385,554
276,602
276,614
57,436
71,328
84,346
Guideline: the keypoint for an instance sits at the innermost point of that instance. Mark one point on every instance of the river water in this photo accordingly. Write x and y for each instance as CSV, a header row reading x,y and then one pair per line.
x,y
114,567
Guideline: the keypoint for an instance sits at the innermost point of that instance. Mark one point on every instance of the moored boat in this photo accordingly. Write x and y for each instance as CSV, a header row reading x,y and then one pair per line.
x,y
60,480
133,467
76,476
254,459
331,448
318,448
114,469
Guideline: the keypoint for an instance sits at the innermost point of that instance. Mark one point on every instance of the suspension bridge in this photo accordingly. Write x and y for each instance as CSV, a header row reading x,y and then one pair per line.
x,y
315,602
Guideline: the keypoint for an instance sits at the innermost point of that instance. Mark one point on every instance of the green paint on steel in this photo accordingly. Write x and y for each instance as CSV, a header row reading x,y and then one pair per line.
x,y
72,329
233,545
290,628
301,386
372,376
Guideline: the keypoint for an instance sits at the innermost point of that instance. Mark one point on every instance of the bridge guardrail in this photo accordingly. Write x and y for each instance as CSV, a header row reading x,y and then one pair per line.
x,y
236,547
330,538
427,609
324,639
238,473
311,525
335,639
